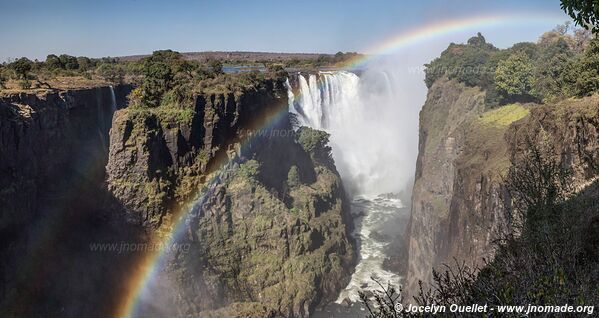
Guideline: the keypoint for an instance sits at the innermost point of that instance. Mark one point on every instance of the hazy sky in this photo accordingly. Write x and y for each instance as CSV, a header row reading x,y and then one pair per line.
x,y
123,27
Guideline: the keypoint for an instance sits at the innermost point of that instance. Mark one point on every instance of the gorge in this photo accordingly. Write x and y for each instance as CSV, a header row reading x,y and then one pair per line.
x,y
188,191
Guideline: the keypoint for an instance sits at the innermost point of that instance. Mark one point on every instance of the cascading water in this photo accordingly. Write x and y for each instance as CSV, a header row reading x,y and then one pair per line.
x,y
112,100
361,113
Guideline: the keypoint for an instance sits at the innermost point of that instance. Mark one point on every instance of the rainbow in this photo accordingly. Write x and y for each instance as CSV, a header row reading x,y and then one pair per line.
x,y
445,27
147,268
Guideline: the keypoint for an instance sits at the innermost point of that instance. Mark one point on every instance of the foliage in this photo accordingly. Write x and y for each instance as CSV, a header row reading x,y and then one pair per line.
x,y
216,66
2,78
68,62
25,84
112,73
584,12
53,62
514,77
551,69
277,70
22,67
293,179
562,64
383,301
311,139
249,170
585,71
468,63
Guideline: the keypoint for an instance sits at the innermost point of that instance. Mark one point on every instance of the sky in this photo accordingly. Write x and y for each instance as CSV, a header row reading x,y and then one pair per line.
x,y
99,28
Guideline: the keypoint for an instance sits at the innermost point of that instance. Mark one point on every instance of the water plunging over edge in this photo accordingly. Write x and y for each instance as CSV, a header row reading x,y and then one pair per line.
x,y
331,101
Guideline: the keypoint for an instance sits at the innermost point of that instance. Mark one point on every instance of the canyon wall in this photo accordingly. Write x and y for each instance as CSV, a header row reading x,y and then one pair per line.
x,y
263,213
54,147
465,152
265,216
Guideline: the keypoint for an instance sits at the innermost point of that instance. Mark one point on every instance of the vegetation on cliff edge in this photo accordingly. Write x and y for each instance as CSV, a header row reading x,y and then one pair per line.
x,y
563,63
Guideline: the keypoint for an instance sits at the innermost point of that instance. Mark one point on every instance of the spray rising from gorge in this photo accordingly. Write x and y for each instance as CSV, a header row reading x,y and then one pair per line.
x,y
363,116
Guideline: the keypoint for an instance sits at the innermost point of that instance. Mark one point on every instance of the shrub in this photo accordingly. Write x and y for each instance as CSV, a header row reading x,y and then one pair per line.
x,y
293,179
111,73
249,170
25,84
312,140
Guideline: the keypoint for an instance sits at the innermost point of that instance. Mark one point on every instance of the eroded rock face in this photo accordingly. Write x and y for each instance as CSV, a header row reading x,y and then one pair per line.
x,y
449,104
259,244
53,150
459,199
42,137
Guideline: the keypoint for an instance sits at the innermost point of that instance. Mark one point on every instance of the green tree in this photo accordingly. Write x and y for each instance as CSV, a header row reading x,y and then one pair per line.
x,y
158,77
584,12
585,73
53,62
85,63
69,62
514,77
22,67
551,69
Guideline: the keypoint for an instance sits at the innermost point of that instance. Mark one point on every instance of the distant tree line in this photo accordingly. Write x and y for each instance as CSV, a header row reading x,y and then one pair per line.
x,y
159,71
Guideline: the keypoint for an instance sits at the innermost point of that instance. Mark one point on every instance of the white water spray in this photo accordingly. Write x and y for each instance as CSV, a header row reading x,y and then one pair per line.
x,y
372,148
363,116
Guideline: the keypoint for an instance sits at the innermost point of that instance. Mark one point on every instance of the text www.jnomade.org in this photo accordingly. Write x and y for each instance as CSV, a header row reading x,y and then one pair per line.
x,y
476,308
125,247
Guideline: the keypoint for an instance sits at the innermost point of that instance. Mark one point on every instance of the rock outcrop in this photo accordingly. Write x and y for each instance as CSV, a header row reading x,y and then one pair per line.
x,y
265,215
46,138
54,147
265,218
459,199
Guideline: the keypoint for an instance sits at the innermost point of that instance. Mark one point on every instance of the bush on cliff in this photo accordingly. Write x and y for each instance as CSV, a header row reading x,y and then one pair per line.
x,y
312,140
563,63
466,63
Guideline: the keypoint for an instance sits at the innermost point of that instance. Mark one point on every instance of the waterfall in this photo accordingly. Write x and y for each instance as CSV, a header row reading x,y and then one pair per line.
x,y
362,115
361,118
112,100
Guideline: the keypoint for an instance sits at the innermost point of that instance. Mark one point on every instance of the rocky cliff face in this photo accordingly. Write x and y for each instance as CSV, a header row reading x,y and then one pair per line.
x,y
54,146
46,138
265,216
266,220
459,199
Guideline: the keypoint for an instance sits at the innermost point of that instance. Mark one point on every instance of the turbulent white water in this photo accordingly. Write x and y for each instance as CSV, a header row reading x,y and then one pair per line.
x,y
363,117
